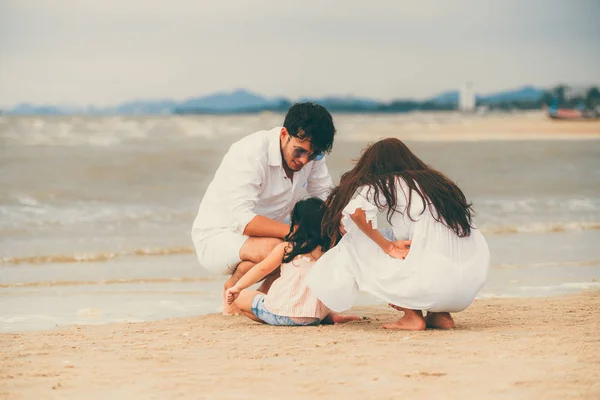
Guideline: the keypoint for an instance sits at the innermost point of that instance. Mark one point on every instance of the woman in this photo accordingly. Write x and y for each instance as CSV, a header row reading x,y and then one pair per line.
x,y
438,265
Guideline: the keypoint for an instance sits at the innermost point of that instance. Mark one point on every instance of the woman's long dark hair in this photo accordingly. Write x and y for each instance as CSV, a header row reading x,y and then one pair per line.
x,y
379,167
305,229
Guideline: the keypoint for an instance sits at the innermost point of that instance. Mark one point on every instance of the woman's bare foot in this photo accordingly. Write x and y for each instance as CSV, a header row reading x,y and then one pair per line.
x,y
333,318
439,320
411,321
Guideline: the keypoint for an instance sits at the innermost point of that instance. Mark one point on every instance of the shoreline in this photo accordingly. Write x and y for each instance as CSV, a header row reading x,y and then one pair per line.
x,y
477,137
478,128
514,348
363,127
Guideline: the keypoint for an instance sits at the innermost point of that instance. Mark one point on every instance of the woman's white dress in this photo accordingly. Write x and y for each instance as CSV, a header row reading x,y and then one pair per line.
x,y
442,272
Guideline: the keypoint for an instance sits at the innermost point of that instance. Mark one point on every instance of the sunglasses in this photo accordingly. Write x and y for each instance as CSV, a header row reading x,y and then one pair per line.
x,y
300,152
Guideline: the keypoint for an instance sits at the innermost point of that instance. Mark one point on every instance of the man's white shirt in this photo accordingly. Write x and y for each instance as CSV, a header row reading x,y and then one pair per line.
x,y
251,181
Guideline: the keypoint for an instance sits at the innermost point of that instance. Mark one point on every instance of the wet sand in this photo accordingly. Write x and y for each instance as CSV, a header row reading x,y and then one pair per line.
x,y
502,348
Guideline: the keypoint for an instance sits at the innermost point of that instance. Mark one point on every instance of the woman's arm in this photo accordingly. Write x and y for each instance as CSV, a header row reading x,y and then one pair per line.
x,y
360,219
398,249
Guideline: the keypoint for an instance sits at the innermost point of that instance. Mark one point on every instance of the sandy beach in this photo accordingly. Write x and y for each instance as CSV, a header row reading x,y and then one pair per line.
x,y
502,348
530,125
138,141
120,251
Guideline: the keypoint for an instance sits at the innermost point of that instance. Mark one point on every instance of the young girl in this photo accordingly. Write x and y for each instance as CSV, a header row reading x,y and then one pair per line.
x,y
438,265
289,301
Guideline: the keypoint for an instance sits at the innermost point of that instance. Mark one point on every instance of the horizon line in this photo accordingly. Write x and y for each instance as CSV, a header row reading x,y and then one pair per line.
x,y
289,98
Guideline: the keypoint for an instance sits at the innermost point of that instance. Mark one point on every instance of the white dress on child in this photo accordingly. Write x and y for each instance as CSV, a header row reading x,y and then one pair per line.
x,y
441,273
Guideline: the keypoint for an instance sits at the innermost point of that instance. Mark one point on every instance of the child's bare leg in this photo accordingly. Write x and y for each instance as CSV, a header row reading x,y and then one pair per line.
x,y
439,320
334,318
412,320
244,303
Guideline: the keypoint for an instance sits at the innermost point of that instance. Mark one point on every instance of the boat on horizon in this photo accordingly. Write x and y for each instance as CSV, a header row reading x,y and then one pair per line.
x,y
574,106
573,114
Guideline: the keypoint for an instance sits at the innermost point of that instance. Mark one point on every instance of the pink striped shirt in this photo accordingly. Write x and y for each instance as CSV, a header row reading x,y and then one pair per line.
x,y
289,296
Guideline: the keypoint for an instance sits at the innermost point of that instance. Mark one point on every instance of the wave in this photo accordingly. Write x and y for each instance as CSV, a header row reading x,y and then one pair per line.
x,y
110,131
121,281
104,282
537,205
31,212
143,252
94,257
539,228
154,251
551,264
541,291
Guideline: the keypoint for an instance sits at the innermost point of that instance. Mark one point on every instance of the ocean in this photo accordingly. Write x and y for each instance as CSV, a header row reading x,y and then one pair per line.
x,y
96,211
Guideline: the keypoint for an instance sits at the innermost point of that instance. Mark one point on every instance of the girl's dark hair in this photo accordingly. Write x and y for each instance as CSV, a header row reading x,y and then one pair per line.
x,y
379,167
306,219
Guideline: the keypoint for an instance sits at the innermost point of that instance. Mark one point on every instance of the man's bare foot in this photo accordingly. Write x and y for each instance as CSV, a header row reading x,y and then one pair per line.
x,y
439,320
411,321
230,309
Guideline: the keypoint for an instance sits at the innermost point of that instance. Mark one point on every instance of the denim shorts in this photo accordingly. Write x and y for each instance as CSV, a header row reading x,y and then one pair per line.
x,y
258,308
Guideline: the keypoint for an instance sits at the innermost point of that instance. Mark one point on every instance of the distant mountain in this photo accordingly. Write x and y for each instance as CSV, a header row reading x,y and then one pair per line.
x,y
241,100
222,102
142,107
26,108
450,96
525,93
349,102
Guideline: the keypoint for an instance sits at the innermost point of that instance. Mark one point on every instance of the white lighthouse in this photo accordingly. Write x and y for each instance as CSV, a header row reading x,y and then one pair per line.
x,y
466,101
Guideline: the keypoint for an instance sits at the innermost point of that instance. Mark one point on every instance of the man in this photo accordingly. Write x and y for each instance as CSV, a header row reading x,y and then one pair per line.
x,y
243,214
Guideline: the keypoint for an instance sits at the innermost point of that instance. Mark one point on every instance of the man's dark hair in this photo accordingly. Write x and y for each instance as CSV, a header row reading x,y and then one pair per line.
x,y
313,122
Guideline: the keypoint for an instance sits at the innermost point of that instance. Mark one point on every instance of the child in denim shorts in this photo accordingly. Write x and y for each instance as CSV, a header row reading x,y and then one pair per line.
x,y
290,301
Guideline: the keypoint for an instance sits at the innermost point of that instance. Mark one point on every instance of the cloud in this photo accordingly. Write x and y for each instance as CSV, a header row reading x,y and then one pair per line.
x,y
105,52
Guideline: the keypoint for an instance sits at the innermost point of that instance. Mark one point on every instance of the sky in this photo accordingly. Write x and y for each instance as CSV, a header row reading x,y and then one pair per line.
x,y
83,52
